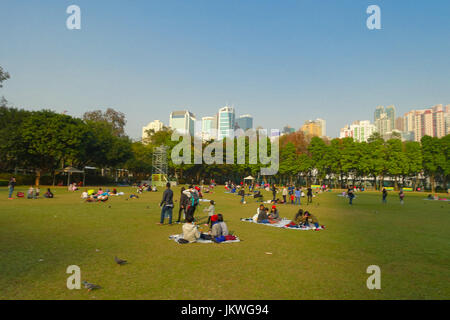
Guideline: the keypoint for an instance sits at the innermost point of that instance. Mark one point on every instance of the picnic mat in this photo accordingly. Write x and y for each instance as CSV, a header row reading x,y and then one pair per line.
x,y
176,237
282,224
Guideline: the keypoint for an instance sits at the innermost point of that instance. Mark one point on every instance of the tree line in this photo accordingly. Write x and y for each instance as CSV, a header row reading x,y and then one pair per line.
x,y
45,141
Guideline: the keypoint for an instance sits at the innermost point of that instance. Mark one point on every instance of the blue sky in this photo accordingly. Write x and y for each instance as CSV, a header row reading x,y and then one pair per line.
x,y
284,62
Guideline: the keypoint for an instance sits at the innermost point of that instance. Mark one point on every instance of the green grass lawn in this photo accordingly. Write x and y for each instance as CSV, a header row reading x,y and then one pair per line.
x,y
410,243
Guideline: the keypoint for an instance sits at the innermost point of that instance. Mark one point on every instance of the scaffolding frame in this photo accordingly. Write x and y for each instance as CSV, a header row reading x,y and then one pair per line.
x,y
160,166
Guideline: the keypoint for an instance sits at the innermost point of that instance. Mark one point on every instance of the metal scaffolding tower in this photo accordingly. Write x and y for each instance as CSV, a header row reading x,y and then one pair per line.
x,y
160,166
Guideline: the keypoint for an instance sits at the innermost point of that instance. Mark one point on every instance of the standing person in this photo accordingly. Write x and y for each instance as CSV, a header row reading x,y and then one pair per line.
x,y
184,202
309,195
193,200
351,195
385,194
211,211
274,191
401,195
166,204
285,193
298,195
11,186
242,194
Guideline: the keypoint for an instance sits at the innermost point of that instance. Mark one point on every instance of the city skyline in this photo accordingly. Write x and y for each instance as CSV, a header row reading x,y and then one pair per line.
x,y
276,61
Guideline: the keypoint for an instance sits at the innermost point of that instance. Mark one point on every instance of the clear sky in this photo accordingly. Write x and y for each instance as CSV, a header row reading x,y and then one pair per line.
x,y
282,61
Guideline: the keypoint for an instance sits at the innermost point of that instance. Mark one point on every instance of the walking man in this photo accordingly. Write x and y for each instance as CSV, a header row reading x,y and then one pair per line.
x,y
166,204
385,194
310,195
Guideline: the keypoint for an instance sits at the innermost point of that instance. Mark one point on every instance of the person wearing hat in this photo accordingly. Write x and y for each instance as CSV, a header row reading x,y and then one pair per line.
x,y
219,227
274,216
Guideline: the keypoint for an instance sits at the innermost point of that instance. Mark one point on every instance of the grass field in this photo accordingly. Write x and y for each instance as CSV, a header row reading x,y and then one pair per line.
x,y
40,238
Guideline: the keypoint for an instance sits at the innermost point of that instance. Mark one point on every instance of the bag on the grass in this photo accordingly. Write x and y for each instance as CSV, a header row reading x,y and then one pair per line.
x,y
20,194
220,239
182,241
230,237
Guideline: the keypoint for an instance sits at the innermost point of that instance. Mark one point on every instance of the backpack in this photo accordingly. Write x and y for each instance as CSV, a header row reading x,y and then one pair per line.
x,y
195,198
182,241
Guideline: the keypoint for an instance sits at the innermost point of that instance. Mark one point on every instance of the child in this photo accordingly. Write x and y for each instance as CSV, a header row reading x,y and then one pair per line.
x,y
401,196
211,211
219,228
30,193
292,198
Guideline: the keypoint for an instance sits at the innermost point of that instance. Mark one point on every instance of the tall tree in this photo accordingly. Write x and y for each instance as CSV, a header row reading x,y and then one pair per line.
x,y
115,118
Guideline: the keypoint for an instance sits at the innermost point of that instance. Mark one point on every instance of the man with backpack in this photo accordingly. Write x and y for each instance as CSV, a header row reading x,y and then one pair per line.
x,y
193,200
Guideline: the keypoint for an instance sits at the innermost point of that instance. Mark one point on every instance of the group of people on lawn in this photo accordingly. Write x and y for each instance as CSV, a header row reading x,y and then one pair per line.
x,y
189,200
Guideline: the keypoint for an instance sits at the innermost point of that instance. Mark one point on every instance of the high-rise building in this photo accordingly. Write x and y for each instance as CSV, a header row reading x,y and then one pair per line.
x,y
378,111
209,130
183,122
360,131
244,122
225,122
288,130
390,112
312,128
323,126
385,119
431,122
399,124
154,125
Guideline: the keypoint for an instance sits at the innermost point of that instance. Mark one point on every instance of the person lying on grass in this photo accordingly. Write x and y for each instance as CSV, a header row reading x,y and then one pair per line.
x,y
274,216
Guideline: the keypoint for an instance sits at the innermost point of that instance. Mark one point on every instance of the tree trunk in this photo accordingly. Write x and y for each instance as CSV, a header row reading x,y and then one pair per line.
x,y
38,178
432,183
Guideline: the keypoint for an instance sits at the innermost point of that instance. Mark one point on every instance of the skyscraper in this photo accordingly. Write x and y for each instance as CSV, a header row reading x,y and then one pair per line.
x,y
312,128
360,131
182,121
323,125
244,122
225,122
390,112
208,128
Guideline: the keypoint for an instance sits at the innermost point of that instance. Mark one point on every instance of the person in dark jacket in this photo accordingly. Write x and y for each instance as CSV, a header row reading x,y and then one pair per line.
x,y
385,194
262,216
274,192
309,195
11,186
184,202
166,204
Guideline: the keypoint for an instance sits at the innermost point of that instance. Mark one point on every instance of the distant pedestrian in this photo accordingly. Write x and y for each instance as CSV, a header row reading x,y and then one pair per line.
x,y
11,186
385,194
351,195
309,195
274,192
401,195
285,193
298,196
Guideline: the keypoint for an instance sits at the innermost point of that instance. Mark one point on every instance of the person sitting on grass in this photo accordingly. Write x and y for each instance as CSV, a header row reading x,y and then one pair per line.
x,y
48,194
309,217
30,194
190,230
84,194
262,215
219,230
274,216
297,221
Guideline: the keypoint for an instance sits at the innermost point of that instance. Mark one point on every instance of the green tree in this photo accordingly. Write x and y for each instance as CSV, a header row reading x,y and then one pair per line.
x,y
434,160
